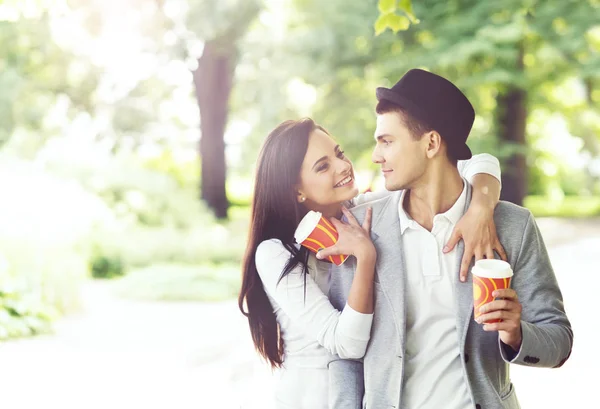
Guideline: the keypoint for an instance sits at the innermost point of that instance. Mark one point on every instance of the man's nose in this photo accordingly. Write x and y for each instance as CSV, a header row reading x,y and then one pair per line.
x,y
376,156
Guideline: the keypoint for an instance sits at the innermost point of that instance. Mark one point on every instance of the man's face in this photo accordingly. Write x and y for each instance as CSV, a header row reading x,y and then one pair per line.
x,y
403,159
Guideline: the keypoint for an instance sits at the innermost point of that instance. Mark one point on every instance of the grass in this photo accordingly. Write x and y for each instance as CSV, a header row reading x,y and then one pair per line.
x,y
177,282
569,206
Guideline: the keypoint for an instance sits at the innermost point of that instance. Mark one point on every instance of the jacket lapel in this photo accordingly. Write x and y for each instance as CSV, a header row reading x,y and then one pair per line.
x,y
463,292
390,269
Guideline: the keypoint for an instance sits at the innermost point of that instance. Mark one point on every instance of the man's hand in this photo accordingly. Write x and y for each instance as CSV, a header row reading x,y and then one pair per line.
x,y
478,231
508,309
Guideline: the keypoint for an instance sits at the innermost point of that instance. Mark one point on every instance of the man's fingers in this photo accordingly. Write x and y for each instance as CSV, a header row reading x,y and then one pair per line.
x,y
507,325
478,254
464,264
453,241
500,250
496,315
367,222
489,253
507,293
498,305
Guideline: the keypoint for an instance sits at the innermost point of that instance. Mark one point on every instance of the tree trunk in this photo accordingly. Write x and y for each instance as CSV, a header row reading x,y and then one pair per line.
x,y
512,121
213,81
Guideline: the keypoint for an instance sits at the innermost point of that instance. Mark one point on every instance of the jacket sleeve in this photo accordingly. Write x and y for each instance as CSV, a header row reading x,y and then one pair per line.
x,y
547,334
346,384
346,381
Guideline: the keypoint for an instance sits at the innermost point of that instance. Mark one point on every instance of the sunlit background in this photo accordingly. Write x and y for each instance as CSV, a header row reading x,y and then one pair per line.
x,y
122,232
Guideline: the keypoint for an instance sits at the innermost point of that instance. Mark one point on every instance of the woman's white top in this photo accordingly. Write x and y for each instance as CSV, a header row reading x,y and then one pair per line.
x,y
310,326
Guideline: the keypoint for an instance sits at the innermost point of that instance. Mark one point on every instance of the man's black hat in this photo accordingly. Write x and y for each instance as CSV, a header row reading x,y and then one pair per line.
x,y
439,103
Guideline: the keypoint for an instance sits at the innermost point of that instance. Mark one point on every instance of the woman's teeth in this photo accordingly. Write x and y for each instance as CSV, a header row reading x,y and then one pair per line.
x,y
344,182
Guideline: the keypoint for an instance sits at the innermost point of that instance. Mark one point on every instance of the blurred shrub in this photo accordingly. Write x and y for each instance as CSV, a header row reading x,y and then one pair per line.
x,y
45,221
177,282
563,206
158,217
138,246
106,266
22,311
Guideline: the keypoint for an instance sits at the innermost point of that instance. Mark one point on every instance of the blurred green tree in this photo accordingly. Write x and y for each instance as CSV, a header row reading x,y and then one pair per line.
x,y
37,77
509,57
210,32
507,54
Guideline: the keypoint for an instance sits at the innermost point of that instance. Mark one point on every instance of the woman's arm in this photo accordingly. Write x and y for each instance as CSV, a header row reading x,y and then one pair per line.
x,y
343,333
477,227
354,240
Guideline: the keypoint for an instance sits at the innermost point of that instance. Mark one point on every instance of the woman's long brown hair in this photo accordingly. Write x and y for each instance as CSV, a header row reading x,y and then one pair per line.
x,y
275,215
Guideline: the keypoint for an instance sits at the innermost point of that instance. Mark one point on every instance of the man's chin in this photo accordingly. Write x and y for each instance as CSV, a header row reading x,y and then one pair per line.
x,y
391,186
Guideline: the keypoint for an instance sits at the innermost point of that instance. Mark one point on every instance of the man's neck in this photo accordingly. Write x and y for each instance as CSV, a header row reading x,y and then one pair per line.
x,y
436,192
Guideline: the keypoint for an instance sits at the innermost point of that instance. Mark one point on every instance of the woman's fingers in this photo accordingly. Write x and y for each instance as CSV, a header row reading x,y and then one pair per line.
x,y
351,219
367,222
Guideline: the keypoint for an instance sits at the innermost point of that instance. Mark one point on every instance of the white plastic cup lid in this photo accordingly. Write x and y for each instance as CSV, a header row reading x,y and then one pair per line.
x,y
492,268
306,226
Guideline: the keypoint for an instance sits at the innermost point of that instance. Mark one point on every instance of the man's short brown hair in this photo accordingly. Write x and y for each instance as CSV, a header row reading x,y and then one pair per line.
x,y
415,126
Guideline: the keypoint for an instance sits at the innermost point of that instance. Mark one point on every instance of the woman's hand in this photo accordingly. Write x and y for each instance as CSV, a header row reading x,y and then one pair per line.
x,y
478,231
353,238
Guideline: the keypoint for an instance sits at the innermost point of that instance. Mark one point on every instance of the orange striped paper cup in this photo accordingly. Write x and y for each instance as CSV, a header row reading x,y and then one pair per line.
x,y
315,232
489,275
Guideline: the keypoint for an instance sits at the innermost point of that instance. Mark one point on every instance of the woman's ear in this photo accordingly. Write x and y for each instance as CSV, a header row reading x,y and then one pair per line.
x,y
434,143
300,197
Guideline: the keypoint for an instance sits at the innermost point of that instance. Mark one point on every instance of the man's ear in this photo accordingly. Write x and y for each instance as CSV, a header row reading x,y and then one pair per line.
x,y
434,143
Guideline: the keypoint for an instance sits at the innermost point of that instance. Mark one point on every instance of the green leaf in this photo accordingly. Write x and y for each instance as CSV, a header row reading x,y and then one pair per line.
x,y
398,23
381,24
406,7
387,6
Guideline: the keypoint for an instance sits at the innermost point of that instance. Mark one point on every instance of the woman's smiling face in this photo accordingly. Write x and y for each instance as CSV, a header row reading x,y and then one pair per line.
x,y
326,177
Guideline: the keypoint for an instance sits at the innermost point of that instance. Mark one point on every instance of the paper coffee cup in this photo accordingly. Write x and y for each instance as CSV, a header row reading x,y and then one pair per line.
x,y
489,275
315,233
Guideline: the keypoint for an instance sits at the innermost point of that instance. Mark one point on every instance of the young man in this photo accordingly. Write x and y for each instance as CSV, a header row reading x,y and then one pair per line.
x,y
426,350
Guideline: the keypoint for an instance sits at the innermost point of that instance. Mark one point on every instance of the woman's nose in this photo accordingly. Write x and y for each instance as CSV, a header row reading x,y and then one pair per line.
x,y
344,166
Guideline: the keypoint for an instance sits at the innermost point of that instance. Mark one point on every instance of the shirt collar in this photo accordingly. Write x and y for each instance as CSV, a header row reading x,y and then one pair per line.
x,y
458,208
405,220
453,214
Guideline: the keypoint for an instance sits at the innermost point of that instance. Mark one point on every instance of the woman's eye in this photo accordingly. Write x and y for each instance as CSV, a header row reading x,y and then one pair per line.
x,y
340,154
323,167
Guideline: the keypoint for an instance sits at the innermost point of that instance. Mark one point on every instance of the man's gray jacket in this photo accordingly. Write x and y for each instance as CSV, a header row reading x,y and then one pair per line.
x,y
376,381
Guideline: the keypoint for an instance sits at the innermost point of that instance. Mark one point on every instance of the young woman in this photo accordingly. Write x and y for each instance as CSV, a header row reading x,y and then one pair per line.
x,y
284,287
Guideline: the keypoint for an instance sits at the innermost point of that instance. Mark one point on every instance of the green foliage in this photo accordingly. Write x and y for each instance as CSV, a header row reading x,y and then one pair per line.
x,y
176,282
388,18
44,231
36,76
152,217
567,206
106,266
22,309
